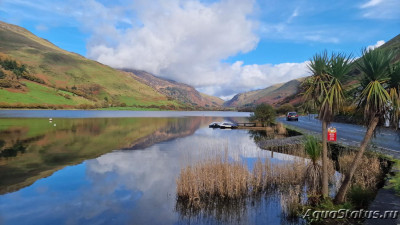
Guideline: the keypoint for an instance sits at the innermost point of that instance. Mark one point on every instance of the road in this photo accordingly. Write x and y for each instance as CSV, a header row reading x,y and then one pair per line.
x,y
350,134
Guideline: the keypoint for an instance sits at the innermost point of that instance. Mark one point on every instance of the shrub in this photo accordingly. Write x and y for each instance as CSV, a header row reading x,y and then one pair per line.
x,y
313,149
86,106
2,74
32,78
5,83
12,65
264,113
360,197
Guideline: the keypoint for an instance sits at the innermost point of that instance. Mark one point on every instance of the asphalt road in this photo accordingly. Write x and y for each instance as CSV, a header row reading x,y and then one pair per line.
x,y
350,134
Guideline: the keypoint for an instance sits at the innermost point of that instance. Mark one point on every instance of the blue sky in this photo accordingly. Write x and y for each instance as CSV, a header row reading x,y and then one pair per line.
x,y
220,47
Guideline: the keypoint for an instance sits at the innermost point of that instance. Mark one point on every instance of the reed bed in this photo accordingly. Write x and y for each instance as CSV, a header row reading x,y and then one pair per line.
x,y
220,179
291,202
213,178
368,172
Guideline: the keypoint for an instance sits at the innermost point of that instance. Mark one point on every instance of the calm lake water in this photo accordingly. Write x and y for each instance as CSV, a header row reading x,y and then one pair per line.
x,y
85,167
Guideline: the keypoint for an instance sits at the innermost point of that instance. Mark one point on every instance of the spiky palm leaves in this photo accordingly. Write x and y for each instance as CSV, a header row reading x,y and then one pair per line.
x,y
313,171
324,87
325,90
374,98
375,66
339,65
316,85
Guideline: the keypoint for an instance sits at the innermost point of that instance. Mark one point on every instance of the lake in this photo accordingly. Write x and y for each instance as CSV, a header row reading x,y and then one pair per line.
x,y
118,167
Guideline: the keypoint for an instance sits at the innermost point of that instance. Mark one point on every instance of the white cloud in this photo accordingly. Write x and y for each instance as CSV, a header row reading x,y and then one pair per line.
x,y
378,44
380,9
371,3
294,15
186,41
250,77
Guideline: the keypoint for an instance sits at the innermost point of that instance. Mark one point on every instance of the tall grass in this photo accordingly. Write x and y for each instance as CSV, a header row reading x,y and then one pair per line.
x,y
368,173
213,178
291,202
221,179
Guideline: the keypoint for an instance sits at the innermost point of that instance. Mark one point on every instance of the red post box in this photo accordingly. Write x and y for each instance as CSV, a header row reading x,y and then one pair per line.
x,y
331,134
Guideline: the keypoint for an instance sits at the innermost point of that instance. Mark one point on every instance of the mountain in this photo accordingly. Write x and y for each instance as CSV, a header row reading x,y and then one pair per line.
x,y
289,92
177,91
35,73
270,95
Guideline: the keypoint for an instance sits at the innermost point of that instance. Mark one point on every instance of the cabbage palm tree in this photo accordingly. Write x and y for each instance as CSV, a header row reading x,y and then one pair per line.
x,y
374,66
316,92
339,65
329,96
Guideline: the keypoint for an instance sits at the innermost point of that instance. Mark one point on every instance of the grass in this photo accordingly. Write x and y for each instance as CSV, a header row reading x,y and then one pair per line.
x,y
41,94
131,109
394,181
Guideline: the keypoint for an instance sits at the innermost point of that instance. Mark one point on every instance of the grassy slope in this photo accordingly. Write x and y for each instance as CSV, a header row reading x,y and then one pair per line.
x,y
62,69
40,94
210,98
271,95
248,98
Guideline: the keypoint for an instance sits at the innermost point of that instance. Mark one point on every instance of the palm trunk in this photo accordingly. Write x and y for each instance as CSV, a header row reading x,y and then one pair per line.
x,y
324,160
347,180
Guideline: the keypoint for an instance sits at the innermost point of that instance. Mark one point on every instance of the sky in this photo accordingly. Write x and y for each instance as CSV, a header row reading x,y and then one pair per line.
x,y
220,47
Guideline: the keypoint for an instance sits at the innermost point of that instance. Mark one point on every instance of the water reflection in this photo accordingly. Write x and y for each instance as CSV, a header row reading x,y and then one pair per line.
x,y
34,148
120,186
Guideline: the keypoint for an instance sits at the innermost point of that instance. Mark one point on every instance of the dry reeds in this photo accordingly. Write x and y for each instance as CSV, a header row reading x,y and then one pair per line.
x,y
280,129
368,171
221,179
291,202
213,178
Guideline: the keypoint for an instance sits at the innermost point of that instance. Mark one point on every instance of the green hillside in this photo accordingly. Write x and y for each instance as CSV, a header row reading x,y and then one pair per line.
x,y
271,95
34,73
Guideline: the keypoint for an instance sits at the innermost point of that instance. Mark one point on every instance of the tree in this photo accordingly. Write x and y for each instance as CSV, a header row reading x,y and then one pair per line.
x,y
374,98
263,113
316,92
339,65
327,92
